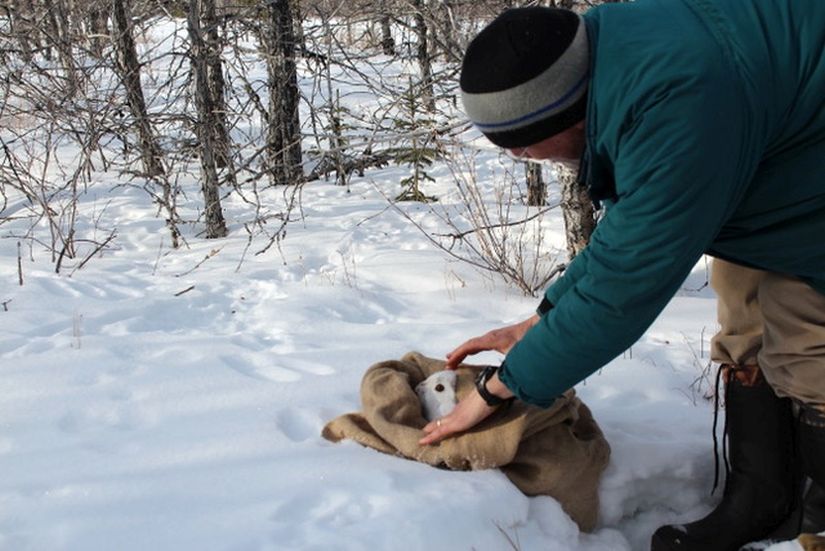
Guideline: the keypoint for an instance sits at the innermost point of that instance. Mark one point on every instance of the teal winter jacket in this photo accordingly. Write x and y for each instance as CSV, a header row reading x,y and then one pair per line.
x,y
705,134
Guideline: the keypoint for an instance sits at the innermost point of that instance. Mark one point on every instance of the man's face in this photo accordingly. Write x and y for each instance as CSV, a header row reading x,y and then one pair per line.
x,y
565,147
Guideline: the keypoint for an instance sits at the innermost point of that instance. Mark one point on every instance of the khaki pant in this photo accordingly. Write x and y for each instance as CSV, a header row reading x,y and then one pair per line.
x,y
775,321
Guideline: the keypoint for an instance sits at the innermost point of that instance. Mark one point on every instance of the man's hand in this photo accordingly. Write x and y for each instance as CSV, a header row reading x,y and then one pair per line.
x,y
465,415
501,340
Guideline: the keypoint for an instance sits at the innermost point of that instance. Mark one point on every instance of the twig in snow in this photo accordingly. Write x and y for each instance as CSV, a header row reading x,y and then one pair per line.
x,y
212,253
97,249
67,249
514,544
19,266
157,260
179,293
376,215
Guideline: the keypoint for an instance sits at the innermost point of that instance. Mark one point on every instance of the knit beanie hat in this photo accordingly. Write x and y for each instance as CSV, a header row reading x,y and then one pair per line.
x,y
524,77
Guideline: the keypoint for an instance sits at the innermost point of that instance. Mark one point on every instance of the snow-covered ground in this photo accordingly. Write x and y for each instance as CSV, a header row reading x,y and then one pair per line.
x,y
135,419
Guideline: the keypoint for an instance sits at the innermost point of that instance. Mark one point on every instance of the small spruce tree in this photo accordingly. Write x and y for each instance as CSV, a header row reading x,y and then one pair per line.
x,y
419,153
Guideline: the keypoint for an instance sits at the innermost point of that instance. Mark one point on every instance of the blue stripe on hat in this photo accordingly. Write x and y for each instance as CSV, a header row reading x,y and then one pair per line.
x,y
540,111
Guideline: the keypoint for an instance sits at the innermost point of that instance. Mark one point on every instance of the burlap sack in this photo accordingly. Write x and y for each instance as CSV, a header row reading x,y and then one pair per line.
x,y
559,451
811,542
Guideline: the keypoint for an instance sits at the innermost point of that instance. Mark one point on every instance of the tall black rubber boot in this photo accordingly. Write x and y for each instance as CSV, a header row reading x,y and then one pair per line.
x,y
807,517
762,488
813,510
812,452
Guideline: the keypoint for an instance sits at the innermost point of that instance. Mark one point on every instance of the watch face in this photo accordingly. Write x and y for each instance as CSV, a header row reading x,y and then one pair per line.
x,y
480,378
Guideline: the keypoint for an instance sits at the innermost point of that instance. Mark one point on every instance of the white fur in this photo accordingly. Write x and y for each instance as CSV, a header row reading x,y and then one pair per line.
x,y
437,403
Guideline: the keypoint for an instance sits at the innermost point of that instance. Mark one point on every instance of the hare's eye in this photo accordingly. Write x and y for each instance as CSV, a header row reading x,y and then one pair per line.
x,y
439,387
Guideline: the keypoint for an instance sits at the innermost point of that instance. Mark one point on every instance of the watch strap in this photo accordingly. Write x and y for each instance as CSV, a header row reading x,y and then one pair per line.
x,y
544,307
481,385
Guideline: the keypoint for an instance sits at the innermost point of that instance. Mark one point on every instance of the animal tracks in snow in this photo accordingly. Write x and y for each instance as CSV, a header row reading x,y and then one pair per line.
x,y
115,414
276,369
299,425
6,445
257,369
304,366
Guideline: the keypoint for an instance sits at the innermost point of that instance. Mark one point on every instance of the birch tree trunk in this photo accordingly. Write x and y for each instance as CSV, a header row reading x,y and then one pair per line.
x,y
423,55
536,187
577,209
215,224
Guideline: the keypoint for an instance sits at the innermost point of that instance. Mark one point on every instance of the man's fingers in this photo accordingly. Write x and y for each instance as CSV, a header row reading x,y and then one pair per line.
x,y
501,340
431,438
467,413
453,359
431,426
463,349
436,431
472,346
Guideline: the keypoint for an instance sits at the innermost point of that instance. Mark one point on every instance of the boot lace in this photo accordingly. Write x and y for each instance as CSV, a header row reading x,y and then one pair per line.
x,y
715,435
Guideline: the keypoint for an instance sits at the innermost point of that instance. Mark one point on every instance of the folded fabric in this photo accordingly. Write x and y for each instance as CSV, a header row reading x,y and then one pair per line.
x,y
558,451
811,542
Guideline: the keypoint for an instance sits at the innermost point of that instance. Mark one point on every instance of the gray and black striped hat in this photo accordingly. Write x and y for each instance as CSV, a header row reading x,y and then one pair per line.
x,y
524,77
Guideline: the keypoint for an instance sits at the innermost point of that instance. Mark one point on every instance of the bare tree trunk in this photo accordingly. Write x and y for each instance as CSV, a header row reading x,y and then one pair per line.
x,y
298,22
59,33
423,56
128,68
337,141
284,132
577,209
443,21
212,51
536,187
20,13
215,224
96,26
387,41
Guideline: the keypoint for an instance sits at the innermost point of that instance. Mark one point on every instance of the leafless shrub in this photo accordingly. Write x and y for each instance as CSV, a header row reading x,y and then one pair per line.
x,y
488,228
70,110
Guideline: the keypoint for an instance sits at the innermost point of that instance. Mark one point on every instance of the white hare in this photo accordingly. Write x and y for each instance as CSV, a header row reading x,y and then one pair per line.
x,y
437,394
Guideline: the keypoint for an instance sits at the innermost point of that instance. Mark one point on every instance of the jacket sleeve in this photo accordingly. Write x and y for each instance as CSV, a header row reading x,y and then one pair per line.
x,y
680,169
574,271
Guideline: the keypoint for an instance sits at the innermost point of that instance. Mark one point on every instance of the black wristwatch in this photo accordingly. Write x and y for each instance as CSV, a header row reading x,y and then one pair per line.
x,y
481,385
